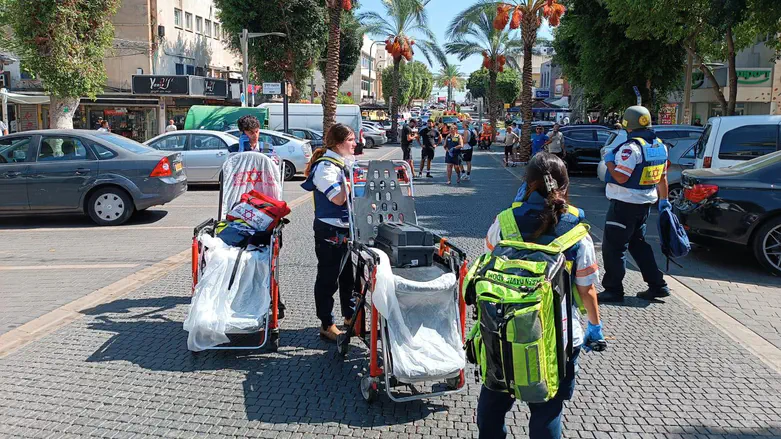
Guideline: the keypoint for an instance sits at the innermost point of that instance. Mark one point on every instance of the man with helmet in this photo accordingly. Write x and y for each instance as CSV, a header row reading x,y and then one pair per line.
x,y
636,179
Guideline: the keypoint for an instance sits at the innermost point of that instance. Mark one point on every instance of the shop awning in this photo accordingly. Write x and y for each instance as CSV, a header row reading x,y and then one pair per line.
x,y
16,98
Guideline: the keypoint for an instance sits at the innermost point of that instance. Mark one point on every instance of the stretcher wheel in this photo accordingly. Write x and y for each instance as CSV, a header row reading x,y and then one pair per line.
x,y
342,344
370,389
274,342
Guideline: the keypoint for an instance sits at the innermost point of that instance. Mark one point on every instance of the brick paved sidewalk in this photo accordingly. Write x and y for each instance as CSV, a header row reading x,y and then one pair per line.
x,y
124,370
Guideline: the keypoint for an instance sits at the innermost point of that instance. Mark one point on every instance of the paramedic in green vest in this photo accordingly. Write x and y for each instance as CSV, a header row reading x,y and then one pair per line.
x,y
325,178
636,179
542,215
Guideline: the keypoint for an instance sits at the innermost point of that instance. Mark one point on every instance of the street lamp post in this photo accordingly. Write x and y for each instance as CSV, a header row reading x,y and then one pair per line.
x,y
244,40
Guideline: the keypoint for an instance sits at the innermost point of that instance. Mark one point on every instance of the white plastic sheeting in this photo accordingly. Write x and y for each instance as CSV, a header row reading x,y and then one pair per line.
x,y
423,322
245,172
215,310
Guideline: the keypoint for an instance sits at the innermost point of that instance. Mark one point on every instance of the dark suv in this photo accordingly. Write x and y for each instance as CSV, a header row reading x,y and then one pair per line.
x,y
582,144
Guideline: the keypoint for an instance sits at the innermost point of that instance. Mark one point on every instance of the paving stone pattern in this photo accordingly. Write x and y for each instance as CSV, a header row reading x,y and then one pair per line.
x,y
124,369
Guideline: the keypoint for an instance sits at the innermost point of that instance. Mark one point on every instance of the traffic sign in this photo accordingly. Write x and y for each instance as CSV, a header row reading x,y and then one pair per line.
x,y
243,98
637,93
272,88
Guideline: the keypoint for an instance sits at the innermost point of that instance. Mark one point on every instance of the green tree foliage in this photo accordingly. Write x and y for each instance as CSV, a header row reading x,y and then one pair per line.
x,y
342,98
350,42
275,58
508,85
63,43
415,82
596,55
711,30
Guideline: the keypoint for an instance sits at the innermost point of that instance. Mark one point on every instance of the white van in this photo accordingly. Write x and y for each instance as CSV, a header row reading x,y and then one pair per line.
x,y
729,140
311,116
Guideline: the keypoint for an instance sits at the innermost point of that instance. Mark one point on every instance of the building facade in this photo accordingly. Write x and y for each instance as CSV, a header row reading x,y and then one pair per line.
x,y
756,68
167,55
365,84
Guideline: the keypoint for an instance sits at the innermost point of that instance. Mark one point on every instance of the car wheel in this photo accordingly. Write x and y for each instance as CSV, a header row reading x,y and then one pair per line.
x,y
767,245
110,206
369,143
675,194
290,171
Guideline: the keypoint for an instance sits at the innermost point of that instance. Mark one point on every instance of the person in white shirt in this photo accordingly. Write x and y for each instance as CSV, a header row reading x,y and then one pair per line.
x,y
555,143
3,128
171,126
104,128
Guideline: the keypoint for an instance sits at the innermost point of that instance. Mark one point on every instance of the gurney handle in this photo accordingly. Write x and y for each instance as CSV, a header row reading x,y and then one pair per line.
x,y
197,230
452,247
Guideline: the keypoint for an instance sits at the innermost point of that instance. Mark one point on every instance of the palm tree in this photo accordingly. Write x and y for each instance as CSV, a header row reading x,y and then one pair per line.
x,y
449,76
472,33
527,15
334,8
402,20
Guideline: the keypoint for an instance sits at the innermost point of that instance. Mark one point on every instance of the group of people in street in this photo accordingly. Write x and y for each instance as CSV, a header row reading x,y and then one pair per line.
x,y
458,145
553,143
542,213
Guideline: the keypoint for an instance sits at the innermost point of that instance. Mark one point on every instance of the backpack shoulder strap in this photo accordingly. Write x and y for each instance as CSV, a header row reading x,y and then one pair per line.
x,y
509,227
570,238
338,163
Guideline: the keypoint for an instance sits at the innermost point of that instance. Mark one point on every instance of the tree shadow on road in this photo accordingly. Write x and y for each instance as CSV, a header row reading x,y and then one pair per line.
x,y
304,382
697,431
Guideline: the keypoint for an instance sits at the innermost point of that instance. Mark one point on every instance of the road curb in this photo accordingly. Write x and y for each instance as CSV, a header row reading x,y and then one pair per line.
x,y
72,311
748,339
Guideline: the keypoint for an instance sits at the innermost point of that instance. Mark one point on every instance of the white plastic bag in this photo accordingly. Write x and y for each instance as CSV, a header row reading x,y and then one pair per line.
x,y
423,322
215,310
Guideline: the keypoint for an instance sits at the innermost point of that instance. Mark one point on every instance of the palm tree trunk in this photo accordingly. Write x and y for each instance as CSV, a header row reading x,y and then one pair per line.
x,y
332,67
449,93
732,75
396,97
492,107
529,38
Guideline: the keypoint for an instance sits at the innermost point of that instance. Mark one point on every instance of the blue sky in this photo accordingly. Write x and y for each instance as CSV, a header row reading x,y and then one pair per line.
x,y
440,14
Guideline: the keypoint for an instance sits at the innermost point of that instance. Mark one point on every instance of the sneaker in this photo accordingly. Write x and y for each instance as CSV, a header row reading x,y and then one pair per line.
x,y
467,177
610,297
654,293
330,334
429,176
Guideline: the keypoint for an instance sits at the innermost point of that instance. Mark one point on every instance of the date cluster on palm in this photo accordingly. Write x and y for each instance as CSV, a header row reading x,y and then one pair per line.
x,y
513,14
400,46
496,65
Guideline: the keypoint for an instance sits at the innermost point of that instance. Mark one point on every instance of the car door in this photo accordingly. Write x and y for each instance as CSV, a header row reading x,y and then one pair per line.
x,y
205,155
60,174
745,143
15,155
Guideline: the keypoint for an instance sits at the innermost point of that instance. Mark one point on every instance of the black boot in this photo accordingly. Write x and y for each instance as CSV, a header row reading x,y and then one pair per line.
x,y
654,293
610,297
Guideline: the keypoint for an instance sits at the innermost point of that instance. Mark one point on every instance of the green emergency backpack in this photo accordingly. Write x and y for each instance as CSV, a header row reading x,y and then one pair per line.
x,y
523,295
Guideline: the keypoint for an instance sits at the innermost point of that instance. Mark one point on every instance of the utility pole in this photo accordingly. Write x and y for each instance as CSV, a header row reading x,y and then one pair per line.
x,y
312,88
244,40
687,89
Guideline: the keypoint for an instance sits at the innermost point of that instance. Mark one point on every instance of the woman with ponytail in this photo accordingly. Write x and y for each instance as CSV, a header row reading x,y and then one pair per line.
x,y
326,179
542,213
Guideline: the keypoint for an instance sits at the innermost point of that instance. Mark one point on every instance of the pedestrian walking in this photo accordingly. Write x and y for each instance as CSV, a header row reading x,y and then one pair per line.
x,y
453,144
171,126
555,143
104,128
408,134
99,123
430,138
697,122
539,139
510,139
636,179
470,141
3,129
325,178
541,217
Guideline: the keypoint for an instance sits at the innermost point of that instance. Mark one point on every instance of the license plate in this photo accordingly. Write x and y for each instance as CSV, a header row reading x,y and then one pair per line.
x,y
178,166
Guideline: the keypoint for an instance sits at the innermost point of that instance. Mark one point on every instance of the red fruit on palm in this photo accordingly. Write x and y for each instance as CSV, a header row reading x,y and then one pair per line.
x,y
515,23
554,20
502,16
546,11
550,3
347,5
559,9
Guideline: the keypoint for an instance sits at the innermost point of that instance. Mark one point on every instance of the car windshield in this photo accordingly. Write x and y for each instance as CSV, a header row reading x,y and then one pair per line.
x,y
758,163
125,143
317,135
702,142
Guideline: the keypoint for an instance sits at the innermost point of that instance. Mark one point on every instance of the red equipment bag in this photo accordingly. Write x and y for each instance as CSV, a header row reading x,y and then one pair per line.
x,y
259,211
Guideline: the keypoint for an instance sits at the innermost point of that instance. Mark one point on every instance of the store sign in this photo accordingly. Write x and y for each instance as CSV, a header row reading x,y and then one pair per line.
x,y
667,114
115,112
212,87
272,88
542,94
28,117
760,77
161,85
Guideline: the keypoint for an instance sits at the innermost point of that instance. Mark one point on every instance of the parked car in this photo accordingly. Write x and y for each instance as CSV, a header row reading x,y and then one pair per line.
x,y
730,140
294,151
672,135
203,151
374,135
106,176
739,204
311,116
314,137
